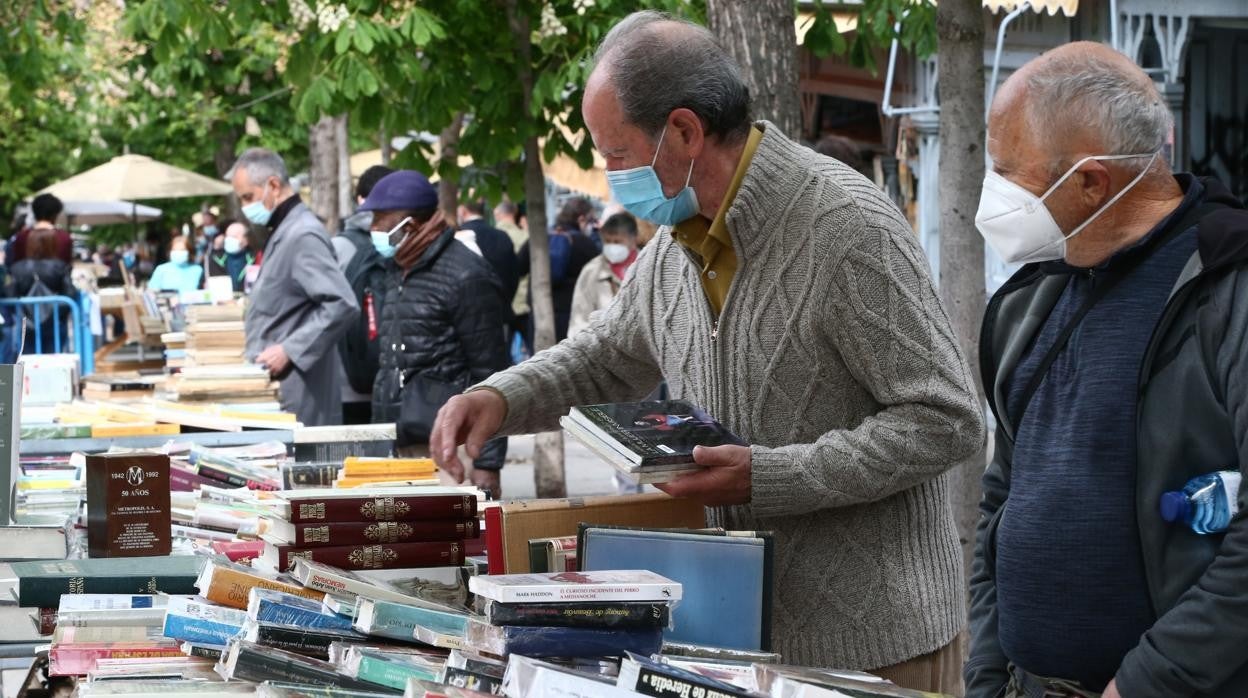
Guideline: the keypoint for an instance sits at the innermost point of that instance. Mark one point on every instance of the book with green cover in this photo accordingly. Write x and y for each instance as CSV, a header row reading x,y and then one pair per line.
x,y
41,583
56,431
391,670
399,621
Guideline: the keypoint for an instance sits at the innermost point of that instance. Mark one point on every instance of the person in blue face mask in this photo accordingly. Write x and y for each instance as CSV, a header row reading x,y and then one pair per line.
x,y
788,297
178,274
441,326
232,257
300,303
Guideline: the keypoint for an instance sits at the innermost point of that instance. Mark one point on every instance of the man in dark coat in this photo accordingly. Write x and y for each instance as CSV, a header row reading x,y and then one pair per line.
x,y
442,320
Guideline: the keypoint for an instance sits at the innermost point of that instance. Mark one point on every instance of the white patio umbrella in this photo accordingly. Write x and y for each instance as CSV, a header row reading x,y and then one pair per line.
x,y
136,177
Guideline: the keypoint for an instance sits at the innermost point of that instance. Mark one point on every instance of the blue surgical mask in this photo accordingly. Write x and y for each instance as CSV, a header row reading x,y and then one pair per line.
x,y
381,243
257,213
210,230
179,257
233,246
381,240
640,192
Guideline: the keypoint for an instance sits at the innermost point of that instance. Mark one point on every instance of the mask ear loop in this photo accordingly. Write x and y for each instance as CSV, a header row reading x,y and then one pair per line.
x,y
1117,196
662,135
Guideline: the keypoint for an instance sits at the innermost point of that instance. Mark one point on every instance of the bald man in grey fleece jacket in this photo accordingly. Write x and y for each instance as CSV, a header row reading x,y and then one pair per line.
x,y
795,305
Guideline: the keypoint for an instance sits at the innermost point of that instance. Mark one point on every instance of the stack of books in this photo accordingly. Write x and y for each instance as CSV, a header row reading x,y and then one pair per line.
x,y
647,442
49,490
361,471
119,386
572,614
214,335
175,351
222,383
398,527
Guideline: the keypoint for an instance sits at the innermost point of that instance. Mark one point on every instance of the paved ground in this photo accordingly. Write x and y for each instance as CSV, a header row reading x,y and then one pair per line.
x,y
586,473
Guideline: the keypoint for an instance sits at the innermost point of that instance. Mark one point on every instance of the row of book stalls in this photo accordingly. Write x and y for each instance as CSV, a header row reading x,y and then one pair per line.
x,y
172,532
168,578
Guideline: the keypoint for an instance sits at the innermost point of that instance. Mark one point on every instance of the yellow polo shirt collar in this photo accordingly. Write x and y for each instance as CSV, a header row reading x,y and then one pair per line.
x,y
710,240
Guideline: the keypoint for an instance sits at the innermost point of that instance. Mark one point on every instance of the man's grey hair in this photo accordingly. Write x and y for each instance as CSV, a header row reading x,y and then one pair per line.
x,y
260,164
658,64
1124,111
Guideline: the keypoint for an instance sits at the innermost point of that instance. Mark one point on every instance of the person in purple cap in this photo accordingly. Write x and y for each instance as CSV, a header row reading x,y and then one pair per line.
x,y
442,320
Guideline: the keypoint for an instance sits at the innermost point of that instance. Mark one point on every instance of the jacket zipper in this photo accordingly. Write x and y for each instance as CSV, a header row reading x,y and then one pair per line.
x,y
1167,317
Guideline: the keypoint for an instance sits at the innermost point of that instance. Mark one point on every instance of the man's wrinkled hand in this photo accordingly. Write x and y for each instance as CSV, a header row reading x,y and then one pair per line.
x,y
274,359
726,479
466,420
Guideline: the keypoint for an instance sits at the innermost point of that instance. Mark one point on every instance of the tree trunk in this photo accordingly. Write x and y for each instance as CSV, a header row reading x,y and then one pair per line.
x,y
760,36
548,453
346,188
387,151
448,166
960,29
223,159
323,158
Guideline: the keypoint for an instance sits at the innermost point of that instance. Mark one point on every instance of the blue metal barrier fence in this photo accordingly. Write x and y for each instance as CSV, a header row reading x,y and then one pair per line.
x,y
79,330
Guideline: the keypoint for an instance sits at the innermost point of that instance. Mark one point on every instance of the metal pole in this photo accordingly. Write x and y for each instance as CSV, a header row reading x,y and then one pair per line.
x,y
887,106
996,59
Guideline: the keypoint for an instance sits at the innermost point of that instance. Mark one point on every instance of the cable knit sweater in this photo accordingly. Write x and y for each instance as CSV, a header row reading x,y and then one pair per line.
x,y
834,357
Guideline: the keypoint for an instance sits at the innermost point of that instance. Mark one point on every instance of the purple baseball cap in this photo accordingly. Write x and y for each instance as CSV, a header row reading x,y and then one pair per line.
x,y
402,190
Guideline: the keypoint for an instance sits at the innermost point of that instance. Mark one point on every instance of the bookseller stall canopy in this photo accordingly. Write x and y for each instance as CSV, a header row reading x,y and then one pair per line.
x,y
136,177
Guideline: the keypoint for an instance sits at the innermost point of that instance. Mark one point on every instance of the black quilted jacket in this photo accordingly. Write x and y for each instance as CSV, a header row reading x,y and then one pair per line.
x,y
443,319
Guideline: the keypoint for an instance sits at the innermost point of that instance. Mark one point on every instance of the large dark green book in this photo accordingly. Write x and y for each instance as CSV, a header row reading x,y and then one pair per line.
x,y
41,583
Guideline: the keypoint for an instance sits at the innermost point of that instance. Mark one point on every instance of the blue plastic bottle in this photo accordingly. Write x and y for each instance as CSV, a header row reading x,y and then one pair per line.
x,y
1207,503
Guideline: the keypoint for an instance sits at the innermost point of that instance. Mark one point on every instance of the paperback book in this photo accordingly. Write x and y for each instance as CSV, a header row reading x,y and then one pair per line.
x,y
229,584
399,621
272,606
247,661
618,614
560,642
310,642
189,620
607,585
651,678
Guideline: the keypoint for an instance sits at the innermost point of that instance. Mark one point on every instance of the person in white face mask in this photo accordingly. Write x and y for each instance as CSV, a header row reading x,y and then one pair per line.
x,y
600,279
1114,363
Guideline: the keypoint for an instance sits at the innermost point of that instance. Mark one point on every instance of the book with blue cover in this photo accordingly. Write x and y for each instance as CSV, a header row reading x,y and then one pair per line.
x,y
272,606
504,640
399,621
195,621
726,576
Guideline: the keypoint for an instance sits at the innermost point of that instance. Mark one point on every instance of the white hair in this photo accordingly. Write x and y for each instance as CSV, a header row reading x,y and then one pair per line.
x,y
260,164
1124,111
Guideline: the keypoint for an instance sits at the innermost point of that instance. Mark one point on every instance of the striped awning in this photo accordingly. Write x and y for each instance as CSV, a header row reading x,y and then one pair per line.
x,y
1068,7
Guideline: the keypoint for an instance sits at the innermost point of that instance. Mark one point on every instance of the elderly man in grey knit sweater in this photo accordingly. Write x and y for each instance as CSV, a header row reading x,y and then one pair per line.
x,y
789,298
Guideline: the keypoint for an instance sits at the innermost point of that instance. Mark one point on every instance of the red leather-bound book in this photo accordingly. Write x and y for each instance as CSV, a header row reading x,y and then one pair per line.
x,y
381,508
316,535
369,557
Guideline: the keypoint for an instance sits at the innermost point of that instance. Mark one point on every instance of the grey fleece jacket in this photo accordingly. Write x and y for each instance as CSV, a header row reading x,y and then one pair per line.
x,y
834,357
